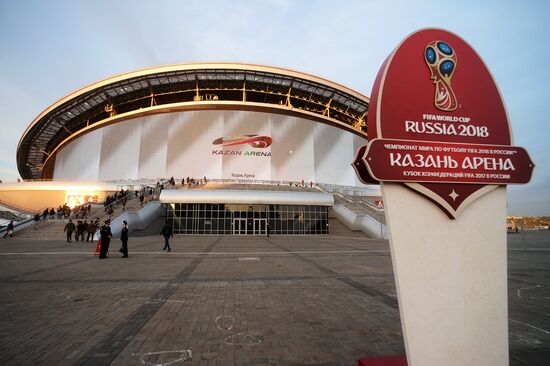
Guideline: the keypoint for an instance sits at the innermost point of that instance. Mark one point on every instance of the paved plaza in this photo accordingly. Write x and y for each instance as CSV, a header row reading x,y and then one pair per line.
x,y
322,300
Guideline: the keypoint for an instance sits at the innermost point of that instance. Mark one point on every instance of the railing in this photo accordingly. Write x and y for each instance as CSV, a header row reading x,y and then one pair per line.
x,y
153,181
351,190
360,206
11,214
130,196
24,223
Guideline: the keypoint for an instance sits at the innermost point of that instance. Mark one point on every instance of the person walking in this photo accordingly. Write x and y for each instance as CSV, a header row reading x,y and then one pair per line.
x,y
36,220
124,239
78,230
69,228
9,230
84,230
267,228
106,236
92,227
167,233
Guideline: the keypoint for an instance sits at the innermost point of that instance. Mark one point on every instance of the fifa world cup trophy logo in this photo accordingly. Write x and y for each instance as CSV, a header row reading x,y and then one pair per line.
x,y
441,60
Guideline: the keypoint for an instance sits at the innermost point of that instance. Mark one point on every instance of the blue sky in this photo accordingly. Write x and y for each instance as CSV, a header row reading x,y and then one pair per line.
x,y
51,48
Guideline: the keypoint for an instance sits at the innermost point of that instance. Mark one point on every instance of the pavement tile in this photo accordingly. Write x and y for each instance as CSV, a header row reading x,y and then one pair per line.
x,y
294,305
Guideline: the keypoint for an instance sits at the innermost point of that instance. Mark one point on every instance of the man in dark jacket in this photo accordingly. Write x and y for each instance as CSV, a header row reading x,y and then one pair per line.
x,y
124,239
69,228
84,229
78,230
36,220
92,227
106,236
167,233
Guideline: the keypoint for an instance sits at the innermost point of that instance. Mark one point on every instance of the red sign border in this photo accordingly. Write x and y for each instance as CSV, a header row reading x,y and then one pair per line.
x,y
371,174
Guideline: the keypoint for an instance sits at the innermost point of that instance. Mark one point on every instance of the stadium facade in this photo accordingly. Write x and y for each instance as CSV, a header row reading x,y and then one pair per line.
x,y
225,121
180,121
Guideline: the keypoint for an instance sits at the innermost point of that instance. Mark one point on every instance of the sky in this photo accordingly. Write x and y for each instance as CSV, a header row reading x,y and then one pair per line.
x,y
51,48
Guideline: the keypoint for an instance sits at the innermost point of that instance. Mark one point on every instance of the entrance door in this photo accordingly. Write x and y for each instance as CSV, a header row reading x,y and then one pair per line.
x,y
260,226
239,226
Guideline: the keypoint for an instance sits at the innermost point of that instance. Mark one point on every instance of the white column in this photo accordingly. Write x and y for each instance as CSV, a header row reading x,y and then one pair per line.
x,y
451,278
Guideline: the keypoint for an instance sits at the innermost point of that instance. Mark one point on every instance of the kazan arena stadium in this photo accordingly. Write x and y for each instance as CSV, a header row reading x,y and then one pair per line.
x,y
260,127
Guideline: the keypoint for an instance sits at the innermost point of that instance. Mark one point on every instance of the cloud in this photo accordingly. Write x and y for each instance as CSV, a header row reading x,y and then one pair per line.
x,y
53,48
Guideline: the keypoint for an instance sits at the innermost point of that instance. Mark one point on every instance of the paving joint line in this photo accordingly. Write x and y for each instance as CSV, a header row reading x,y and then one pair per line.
x,y
109,347
372,292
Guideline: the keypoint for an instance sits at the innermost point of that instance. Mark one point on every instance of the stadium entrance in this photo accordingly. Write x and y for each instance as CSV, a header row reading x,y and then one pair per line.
x,y
242,219
199,212
240,227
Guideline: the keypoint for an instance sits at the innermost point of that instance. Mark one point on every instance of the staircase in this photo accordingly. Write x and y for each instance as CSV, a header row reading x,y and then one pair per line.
x,y
361,205
53,229
339,229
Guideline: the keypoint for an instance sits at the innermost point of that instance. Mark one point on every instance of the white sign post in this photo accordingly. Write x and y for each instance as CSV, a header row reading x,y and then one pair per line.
x,y
451,278
440,143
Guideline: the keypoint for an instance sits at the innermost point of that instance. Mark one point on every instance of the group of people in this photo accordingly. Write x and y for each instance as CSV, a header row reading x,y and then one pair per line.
x,y
81,229
88,229
106,234
192,182
189,182
145,196
118,197
300,184
64,212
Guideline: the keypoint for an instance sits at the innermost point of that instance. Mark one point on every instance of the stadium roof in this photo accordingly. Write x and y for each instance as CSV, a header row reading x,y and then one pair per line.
x,y
201,86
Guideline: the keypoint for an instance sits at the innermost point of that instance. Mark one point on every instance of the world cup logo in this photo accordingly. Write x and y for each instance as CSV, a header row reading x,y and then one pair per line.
x,y
441,60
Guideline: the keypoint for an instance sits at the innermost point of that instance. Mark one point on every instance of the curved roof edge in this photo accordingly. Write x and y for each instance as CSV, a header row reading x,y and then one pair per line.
x,y
238,84
191,66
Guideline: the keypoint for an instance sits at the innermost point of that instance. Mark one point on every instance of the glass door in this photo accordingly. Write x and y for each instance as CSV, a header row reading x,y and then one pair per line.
x,y
260,226
239,226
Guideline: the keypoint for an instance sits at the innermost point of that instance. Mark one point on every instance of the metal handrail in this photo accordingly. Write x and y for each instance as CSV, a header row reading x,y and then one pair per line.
x,y
4,229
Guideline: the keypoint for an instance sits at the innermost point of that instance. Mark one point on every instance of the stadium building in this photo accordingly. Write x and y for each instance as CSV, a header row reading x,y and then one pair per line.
x,y
232,123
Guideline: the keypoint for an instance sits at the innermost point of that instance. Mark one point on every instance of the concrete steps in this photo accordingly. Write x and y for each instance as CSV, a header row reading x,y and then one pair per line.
x,y
339,229
53,229
48,229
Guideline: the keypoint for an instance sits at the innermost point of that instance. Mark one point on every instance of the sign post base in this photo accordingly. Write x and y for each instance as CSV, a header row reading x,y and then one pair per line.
x,y
451,278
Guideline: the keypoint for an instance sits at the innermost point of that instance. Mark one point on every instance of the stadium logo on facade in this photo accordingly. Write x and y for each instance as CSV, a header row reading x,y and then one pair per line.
x,y
441,60
256,141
